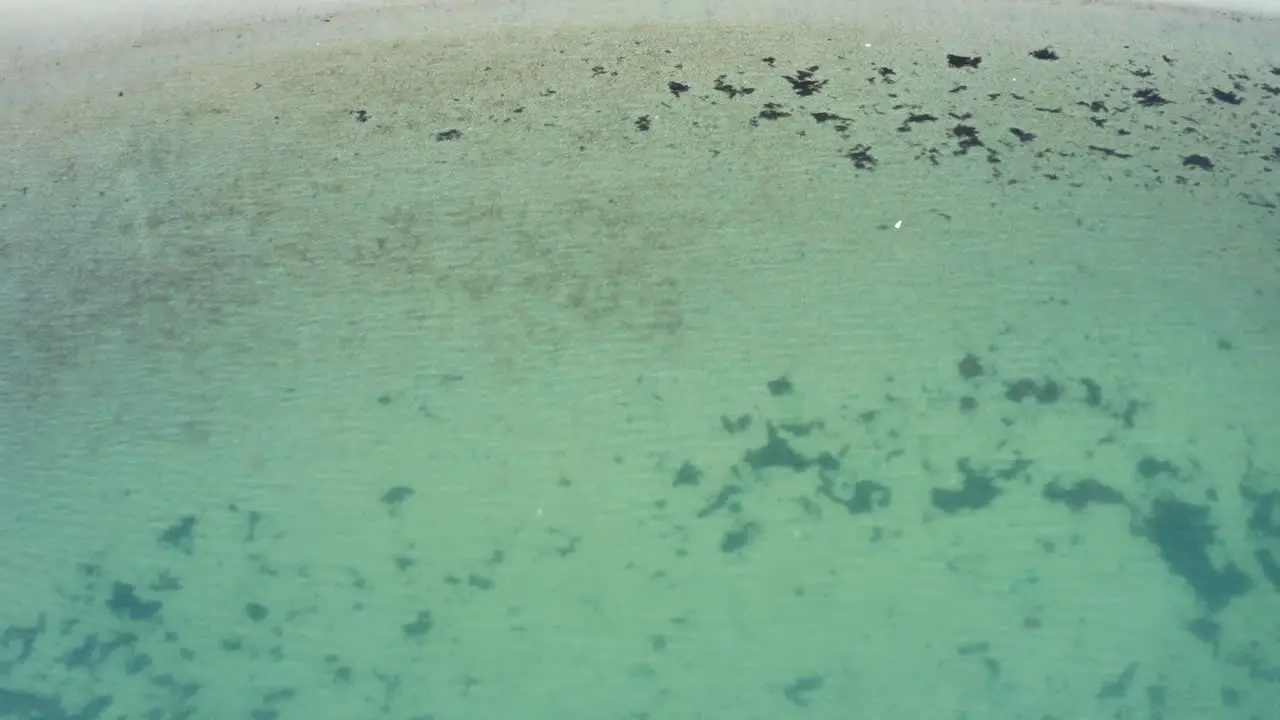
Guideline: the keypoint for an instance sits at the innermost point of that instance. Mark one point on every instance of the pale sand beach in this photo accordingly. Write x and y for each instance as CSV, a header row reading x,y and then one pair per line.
x,y
639,360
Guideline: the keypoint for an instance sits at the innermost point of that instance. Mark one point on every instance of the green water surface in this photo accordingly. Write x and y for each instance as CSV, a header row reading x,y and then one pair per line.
x,y
858,371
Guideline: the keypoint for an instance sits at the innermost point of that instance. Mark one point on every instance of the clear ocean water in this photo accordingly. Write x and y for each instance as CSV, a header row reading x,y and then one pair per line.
x,y
872,371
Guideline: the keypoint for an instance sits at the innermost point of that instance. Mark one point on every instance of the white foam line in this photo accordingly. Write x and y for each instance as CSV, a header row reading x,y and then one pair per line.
x,y
41,26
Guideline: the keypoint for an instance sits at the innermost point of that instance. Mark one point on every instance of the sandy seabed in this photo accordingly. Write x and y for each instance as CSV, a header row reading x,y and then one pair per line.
x,y
603,360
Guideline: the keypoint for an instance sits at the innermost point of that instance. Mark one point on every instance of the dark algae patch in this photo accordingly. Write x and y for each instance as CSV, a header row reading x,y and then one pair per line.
x,y
397,495
738,538
688,474
180,535
1082,493
971,367
977,488
799,691
1042,391
781,386
1182,533
125,603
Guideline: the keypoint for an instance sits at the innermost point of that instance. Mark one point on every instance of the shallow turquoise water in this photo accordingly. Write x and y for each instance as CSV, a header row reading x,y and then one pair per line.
x,y
839,372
